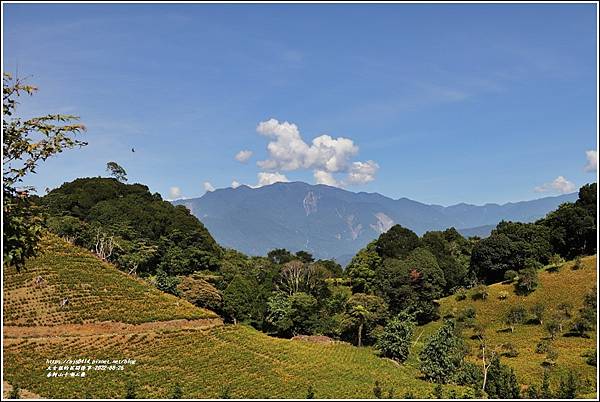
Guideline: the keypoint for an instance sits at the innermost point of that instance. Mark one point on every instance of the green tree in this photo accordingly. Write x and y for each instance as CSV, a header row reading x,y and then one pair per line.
x,y
515,315
116,171
394,342
362,268
239,299
537,310
502,382
26,143
568,386
528,281
304,256
545,391
166,283
280,256
442,355
397,242
363,311
553,328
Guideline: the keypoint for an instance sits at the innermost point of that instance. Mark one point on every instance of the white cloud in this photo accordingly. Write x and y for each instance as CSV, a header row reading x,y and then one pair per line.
x,y
243,155
325,155
592,161
323,177
235,184
559,184
266,178
362,172
208,187
174,193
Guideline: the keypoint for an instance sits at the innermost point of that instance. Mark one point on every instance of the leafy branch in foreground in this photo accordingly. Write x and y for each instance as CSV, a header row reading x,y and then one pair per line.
x,y
26,143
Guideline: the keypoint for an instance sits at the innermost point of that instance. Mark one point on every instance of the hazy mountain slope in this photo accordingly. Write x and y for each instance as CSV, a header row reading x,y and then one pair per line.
x,y
334,223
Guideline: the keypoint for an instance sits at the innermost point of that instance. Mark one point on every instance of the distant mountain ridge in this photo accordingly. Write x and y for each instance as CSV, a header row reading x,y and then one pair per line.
x,y
331,222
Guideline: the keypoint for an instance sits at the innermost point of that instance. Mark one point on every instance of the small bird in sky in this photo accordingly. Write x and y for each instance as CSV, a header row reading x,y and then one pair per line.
x,y
132,150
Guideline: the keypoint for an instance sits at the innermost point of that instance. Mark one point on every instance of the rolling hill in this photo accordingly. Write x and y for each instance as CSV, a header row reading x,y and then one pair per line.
x,y
566,286
333,223
112,316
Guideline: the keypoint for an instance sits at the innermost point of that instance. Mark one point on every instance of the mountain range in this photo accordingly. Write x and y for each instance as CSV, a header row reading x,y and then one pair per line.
x,y
330,222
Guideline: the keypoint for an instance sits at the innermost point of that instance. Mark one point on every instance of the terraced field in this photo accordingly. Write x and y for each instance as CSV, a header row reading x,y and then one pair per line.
x,y
130,320
95,291
568,286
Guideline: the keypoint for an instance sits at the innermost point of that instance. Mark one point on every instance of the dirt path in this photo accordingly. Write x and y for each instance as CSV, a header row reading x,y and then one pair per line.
x,y
107,328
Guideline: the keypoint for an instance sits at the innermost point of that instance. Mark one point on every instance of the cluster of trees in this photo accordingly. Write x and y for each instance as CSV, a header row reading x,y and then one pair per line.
x,y
567,232
409,272
131,227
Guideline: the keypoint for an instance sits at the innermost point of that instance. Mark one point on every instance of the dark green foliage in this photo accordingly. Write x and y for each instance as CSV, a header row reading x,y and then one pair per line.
x,y
553,327
395,340
509,246
116,171
362,268
239,300
586,321
545,391
452,252
542,347
502,381
26,143
510,275
333,268
533,392
515,315
568,386
166,283
412,284
438,392
461,294
591,357
537,311
363,313
310,393
442,355
528,281
304,256
377,391
480,292
280,256
138,221
470,374
177,392
397,242
130,390
200,293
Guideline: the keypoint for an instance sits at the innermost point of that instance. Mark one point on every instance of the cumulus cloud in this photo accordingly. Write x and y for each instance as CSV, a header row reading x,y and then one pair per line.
x,y
559,184
325,155
243,155
362,172
208,187
235,184
266,178
174,193
592,161
323,177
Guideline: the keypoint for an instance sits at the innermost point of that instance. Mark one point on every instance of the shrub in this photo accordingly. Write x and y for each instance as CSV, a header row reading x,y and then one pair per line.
x,y
551,357
395,339
480,292
556,262
468,314
470,374
515,315
310,393
591,357
537,310
542,347
461,294
553,327
578,263
510,276
509,350
503,295
568,386
528,281
442,354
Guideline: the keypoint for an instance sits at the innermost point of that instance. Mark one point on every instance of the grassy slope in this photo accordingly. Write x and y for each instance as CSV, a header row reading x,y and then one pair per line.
x,y
97,291
567,285
202,361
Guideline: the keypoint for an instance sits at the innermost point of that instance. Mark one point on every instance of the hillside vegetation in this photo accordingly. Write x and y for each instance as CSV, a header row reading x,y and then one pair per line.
x,y
205,362
568,287
92,291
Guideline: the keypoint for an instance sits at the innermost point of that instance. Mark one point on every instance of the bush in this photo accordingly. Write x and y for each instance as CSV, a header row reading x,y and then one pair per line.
x,y
551,357
377,391
537,310
503,295
509,350
468,314
510,276
470,374
528,281
542,347
461,294
515,315
591,357
480,292
553,327
578,264
395,339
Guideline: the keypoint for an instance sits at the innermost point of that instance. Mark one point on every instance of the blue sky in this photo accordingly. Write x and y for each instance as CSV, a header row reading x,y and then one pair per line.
x,y
442,103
